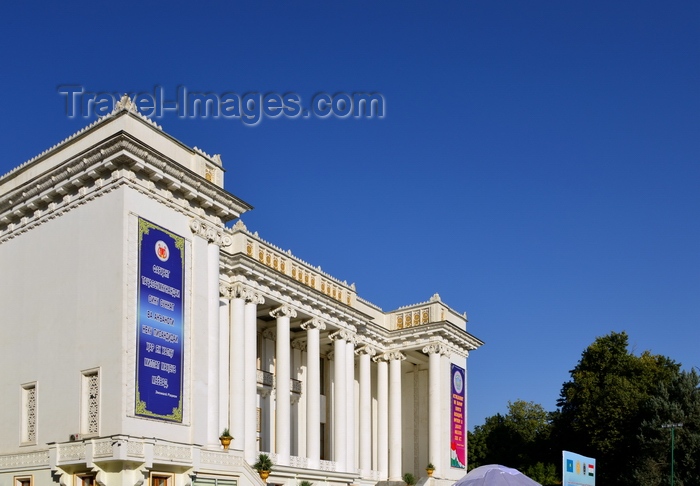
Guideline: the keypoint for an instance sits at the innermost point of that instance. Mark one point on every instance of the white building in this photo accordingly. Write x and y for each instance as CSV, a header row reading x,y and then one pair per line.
x,y
136,326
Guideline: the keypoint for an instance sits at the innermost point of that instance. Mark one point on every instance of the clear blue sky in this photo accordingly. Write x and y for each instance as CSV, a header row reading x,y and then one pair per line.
x,y
538,164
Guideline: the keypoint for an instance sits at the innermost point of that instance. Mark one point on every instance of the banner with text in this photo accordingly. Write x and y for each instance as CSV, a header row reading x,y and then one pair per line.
x,y
577,470
160,316
458,427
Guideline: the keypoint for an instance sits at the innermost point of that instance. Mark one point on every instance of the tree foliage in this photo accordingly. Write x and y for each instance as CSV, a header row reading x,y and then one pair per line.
x,y
601,407
614,409
519,439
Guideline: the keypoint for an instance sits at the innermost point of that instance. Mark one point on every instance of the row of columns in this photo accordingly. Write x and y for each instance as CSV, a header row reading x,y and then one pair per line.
x,y
242,381
242,415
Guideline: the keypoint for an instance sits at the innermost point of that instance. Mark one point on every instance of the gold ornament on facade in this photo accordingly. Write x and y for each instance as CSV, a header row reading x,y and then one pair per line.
x,y
399,322
426,316
261,256
249,249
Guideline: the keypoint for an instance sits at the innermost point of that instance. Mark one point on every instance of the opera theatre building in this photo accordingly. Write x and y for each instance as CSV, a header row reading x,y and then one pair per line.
x,y
141,318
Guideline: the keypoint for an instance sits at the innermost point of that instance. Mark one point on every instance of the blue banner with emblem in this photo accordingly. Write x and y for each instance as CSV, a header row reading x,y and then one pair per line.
x,y
160,316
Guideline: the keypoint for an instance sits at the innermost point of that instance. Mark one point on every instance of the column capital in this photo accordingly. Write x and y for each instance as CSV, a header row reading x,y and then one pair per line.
x,y
299,344
342,335
440,349
232,291
394,356
283,311
270,334
252,297
366,349
314,323
209,232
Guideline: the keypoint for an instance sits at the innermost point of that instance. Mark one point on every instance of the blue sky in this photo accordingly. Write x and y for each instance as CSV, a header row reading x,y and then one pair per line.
x,y
537,164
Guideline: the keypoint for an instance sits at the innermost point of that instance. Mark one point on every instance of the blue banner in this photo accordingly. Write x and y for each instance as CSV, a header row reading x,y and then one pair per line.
x,y
577,470
160,319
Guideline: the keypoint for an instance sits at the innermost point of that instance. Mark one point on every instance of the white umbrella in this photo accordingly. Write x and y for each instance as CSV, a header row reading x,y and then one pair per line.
x,y
495,475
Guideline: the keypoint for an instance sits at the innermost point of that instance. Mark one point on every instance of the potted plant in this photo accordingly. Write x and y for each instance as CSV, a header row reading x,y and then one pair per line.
x,y
225,438
305,483
263,466
430,469
409,479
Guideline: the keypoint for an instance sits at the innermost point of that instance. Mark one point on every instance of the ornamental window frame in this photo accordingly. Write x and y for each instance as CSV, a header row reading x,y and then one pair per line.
x,y
90,402
29,413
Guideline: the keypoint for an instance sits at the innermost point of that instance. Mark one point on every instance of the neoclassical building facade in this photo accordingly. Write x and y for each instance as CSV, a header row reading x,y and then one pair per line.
x,y
141,318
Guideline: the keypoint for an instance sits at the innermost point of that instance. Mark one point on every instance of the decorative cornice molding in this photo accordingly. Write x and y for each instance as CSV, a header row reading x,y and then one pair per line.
x,y
283,311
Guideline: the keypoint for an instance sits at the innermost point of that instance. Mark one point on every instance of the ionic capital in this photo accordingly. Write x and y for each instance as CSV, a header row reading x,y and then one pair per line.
x,y
440,349
366,349
342,335
270,334
299,344
314,323
253,297
283,311
394,356
235,291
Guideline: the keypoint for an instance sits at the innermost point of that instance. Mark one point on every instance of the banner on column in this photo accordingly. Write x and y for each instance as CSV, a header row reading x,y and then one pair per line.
x,y
160,316
457,429
577,470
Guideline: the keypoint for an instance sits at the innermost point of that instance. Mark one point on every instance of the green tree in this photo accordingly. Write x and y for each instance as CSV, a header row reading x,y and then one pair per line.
x,y
671,403
519,439
600,409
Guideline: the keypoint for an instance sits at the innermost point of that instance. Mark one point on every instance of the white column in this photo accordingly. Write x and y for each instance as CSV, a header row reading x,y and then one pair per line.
x,y
251,378
434,352
382,416
298,440
339,401
213,335
282,385
313,392
395,443
224,358
365,354
237,369
350,401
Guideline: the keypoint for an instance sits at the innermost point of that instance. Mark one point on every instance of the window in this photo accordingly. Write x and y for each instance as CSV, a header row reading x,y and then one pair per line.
x,y
90,403
85,480
160,479
23,481
214,482
322,445
322,375
28,434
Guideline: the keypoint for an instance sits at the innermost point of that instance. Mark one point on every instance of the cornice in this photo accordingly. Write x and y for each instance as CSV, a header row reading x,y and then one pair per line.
x,y
118,157
280,287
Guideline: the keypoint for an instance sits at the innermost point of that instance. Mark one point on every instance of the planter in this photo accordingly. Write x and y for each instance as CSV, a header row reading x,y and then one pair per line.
x,y
430,472
225,441
264,474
